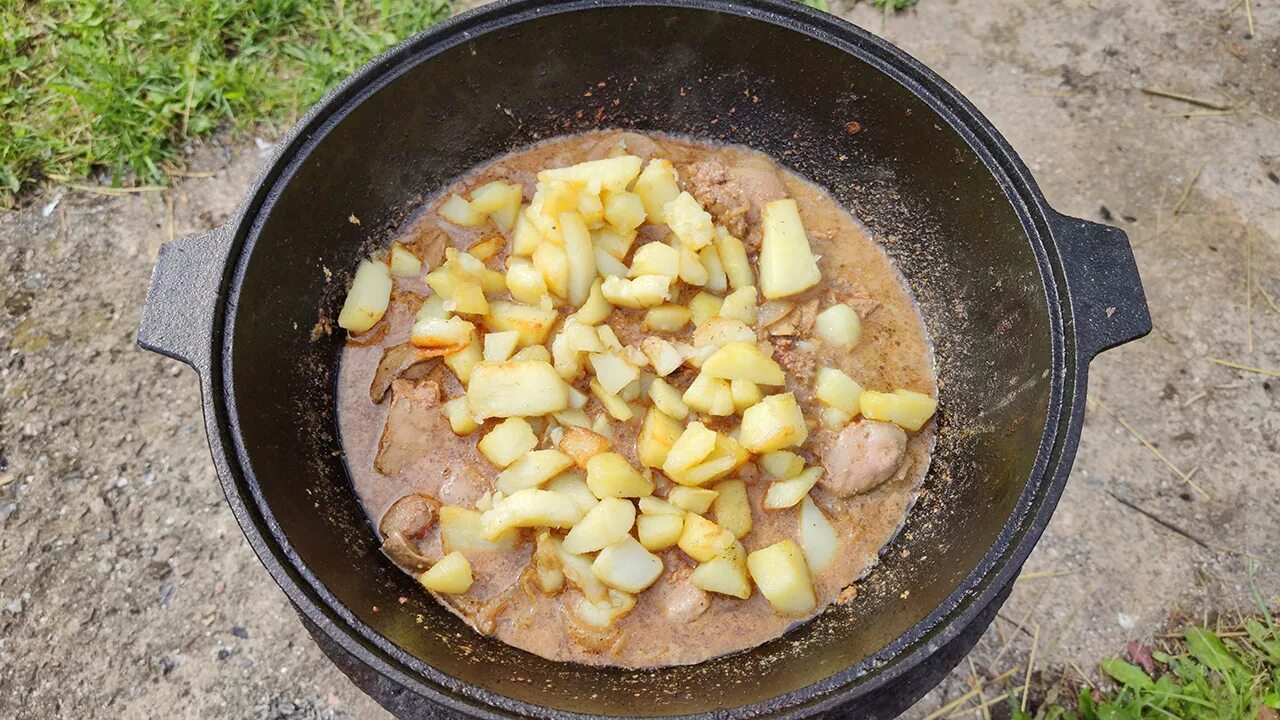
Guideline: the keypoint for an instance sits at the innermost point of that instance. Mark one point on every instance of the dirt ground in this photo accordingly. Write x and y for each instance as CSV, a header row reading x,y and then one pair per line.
x,y
127,590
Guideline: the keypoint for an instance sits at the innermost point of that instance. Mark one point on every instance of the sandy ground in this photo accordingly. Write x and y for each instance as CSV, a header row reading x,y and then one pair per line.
x,y
127,590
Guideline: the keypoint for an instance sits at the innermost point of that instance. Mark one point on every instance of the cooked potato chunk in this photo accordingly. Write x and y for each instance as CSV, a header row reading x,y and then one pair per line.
x,y
461,530
591,208
733,257
709,395
787,264
727,457
626,565
745,394
717,281
451,576
367,299
524,282
613,371
705,306
692,271
657,506
607,266
702,539
667,399
666,318
740,305
464,361
663,357
645,291
718,332
614,243
532,470
533,353
582,444
659,532
552,261
530,507
613,174
577,570
447,336
549,200
573,485
657,186
724,574
731,508
692,447
605,524
655,258
838,390
515,389
788,493
743,361
693,499
658,433
773,424
403,263
617,408
782,465
460,420
459,212
604,613
507,442
907,409
581,257
690,224
609,475
499,346
525,238
783,578
533,323
595,309
817,536
624,211
839,325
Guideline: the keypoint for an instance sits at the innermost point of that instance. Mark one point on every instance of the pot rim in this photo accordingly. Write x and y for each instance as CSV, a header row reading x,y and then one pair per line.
x,y
998,566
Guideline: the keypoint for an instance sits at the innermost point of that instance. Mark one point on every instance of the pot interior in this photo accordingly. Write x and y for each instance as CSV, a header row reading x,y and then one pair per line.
x,y
825,113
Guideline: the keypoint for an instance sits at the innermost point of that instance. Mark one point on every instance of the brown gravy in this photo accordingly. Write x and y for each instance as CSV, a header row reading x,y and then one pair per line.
x,y
894,352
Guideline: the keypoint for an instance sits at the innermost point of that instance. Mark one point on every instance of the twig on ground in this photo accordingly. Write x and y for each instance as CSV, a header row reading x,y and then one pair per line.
x,y
1246,368
1211,104
1186,191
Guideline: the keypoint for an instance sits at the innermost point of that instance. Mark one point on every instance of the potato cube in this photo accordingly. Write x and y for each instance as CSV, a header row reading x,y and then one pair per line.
x,y
667,399
704,395
567,361
661,355
613,372
643,292
617,408
367,299
573,417
907,409
573,485
445,336
704,306
464,361
653,505
655,258
745,394
604,613
607,266
659,532
668,318
515,389
451,576
610,475
616,244
626,565
718,332
595,309
591,208
658,433
727,456
552,261
606,523
787,264
582,444
774,423
580,338
461,530
692,271
525,238
743,361
403,263
783,578
459,212
499,346
500,201
577,570
834,418
581,257
460,420
548,572
530,507
731,508
525,283
468,298
839,325
549,200
818,537
782,465
532,470
690,224
533,353
838,390
702,539
692,499
624,211
740,305
608,338
657,186
789,493
533,323
507,442
723,574
733,257
612,174
691,448
717,281
432,307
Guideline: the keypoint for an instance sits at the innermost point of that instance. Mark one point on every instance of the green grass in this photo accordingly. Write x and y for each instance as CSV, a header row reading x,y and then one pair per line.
x,y
118,86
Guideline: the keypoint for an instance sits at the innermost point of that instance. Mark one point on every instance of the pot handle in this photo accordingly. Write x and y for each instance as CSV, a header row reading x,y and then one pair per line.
x,y
1108,305
178,316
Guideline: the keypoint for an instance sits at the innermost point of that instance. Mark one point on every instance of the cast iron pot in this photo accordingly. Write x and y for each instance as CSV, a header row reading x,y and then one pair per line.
x,y
1018,299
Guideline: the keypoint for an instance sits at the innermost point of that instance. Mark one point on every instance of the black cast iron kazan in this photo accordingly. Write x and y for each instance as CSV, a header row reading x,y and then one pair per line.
x,y
1017,297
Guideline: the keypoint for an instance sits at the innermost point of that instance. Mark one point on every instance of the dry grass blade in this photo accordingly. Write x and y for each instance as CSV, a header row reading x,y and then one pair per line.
x,y
1211,104
1248,13
1044,575
1186,191
113,191
1248,286
1231,8
1186,477
1267,296
946,709
1031,664
168,211
1246,368
1204,113
1082,675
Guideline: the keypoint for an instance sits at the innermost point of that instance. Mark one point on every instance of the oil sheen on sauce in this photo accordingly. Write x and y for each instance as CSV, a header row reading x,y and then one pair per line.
x,y
894,352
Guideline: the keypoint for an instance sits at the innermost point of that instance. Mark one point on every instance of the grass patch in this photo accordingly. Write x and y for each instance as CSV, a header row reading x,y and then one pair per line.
x,y
117,86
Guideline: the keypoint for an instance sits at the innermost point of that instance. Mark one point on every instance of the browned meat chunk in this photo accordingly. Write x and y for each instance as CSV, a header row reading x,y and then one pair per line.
x,y
864,455
725,199
683,601
412,516
405,552
428,242
395,361
794,360
415,425
627,143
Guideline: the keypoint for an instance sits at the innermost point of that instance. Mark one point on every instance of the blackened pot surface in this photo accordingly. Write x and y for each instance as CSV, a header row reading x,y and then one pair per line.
x,y
1017,298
